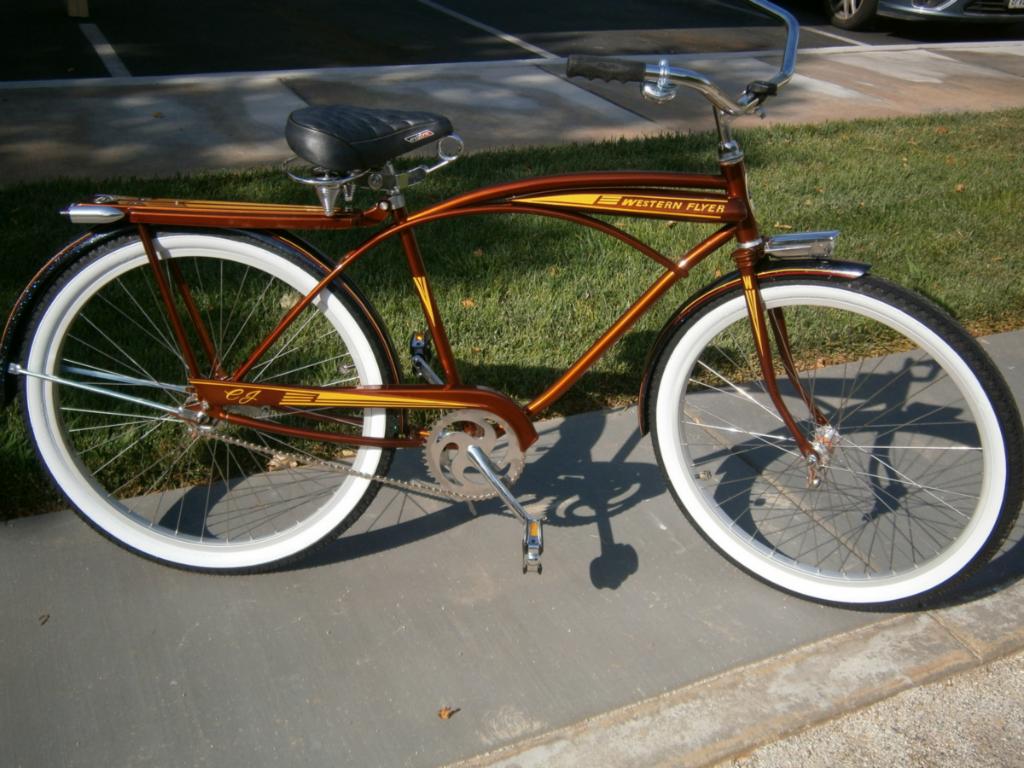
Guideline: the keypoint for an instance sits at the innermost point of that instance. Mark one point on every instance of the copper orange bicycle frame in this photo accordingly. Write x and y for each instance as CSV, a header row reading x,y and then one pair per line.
x,y
576,198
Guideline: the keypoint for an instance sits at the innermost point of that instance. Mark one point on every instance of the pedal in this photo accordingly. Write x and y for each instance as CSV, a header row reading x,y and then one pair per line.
x,y
533,546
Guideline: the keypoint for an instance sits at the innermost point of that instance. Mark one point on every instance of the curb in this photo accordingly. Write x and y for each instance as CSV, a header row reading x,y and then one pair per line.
x,y
728,715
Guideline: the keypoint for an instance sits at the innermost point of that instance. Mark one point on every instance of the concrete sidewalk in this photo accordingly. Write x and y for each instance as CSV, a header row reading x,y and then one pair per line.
x,y
726,716
638,646
162,126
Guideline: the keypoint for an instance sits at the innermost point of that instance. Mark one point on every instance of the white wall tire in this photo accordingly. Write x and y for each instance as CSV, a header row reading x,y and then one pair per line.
x,y
92,313
905,466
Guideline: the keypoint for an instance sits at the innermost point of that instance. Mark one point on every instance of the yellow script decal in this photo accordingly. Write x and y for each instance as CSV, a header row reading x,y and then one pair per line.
x,y
242,396
650,204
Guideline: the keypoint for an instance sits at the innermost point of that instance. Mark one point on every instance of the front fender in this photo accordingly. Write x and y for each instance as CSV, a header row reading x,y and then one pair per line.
x,y
13,338
768,270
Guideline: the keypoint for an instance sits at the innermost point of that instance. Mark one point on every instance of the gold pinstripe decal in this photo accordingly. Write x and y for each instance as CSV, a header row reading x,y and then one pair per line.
x,y
303,397
750,292
711,208
424,291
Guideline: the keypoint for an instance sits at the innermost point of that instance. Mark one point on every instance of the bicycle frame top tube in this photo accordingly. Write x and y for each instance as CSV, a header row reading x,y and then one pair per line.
x,y
576,198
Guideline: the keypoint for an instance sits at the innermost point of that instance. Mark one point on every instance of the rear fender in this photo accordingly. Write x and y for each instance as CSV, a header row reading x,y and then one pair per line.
x,y
18,319
12,341
768,271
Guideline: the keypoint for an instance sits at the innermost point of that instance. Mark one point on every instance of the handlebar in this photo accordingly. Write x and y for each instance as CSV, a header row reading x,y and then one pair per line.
x,y
661,77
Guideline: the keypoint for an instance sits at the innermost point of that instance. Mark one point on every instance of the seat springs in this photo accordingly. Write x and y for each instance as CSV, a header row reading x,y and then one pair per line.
x,y
330,185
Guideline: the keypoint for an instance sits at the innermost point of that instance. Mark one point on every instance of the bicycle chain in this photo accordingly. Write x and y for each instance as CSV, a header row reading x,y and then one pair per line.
x,y
410,486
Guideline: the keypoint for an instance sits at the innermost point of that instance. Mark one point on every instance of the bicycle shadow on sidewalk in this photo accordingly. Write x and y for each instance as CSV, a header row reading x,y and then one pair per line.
x,y
577,490
1003,570
892,468
586,478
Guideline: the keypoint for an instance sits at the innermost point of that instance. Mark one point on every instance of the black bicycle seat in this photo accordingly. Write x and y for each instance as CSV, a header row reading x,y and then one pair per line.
x,y
343,138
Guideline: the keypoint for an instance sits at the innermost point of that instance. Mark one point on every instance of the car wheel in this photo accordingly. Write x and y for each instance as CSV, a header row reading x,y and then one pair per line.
x,y
851,14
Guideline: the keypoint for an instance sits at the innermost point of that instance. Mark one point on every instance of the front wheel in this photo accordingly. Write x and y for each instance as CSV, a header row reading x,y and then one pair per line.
x,y
921,444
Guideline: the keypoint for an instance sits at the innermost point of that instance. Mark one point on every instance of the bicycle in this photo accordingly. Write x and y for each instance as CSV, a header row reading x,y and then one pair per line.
x,y
210,392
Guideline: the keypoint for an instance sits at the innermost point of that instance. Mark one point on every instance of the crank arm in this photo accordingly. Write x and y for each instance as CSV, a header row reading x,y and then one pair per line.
x,y
482,463
533,534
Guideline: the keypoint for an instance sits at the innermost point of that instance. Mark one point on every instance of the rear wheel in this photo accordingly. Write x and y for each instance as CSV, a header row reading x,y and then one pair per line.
x,y
920,480
217,496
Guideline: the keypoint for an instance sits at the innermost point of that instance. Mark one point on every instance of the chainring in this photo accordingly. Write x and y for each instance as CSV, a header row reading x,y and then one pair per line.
x,y
448,459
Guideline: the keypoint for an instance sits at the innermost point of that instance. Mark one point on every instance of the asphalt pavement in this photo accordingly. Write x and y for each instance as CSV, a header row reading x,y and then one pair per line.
x,y
638,645
146,126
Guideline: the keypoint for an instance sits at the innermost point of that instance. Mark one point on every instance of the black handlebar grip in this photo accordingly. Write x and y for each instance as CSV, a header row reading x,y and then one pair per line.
x,y
762,89
603,68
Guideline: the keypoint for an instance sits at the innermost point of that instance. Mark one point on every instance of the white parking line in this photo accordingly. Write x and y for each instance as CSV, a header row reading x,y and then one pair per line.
x,y
491,30
105,51
803,28
834,36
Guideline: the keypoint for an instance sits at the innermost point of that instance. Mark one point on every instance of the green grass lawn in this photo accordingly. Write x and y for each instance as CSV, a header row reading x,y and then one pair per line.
x,y
932,203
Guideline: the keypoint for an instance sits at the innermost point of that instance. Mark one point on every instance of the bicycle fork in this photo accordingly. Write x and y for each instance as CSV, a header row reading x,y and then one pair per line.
x,y
761,320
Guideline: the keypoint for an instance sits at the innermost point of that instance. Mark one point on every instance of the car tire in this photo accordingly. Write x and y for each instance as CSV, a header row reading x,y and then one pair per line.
x,y
851,14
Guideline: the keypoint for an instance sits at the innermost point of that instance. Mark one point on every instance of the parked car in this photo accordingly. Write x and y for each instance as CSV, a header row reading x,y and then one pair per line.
x,y
855,14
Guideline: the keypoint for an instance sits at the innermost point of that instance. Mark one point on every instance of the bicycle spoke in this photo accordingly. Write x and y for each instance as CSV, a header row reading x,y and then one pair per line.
x,y
737,391
292,371
253,310
284,347
155,334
